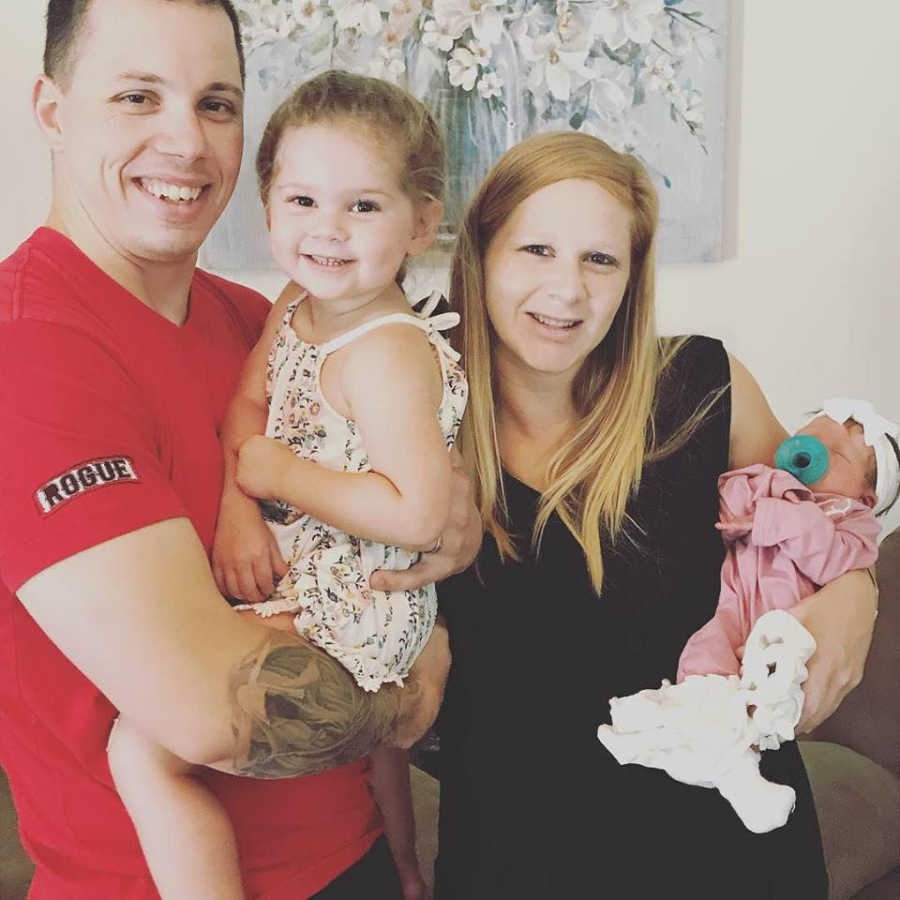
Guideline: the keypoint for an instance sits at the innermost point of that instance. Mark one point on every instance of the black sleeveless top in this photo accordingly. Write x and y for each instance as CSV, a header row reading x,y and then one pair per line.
x,y
532,804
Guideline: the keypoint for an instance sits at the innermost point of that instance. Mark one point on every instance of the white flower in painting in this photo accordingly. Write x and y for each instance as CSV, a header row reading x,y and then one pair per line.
x,y
462,68
622,135
553,63
434,35
684,42
531,20
481,52
482,16
363,15
618,21
395,33
566,22
388,64
403,15
308,14
490,85
629,137
613,91
690,105
406,8
658,72
271,23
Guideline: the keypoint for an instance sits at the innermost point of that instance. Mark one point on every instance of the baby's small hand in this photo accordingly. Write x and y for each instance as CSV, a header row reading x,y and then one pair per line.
x,y
734,528
261,464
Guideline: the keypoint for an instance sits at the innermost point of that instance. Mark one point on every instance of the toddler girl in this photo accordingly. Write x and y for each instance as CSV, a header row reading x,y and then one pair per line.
x,y
360,401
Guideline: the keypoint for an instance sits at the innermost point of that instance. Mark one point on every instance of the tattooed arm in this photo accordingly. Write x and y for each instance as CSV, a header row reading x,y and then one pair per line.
x,y
208,684
298,711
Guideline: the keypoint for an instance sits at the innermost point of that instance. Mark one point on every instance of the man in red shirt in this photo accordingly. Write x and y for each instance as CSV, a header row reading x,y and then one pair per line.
x,y
117,359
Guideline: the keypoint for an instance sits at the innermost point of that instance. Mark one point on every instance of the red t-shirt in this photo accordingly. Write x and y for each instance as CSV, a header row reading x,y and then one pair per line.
x,y
109,420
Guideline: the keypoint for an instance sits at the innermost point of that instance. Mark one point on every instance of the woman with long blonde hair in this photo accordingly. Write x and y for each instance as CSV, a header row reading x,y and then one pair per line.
x,y
594,449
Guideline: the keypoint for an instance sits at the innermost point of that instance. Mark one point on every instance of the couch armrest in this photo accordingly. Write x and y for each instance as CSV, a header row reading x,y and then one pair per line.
x,y
868,720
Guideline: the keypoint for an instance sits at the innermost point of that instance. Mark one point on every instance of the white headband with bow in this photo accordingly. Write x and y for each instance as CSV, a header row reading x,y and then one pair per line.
x,y
876,429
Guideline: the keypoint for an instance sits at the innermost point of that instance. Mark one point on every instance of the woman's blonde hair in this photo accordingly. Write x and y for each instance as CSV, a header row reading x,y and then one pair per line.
x,y
384,112
591,476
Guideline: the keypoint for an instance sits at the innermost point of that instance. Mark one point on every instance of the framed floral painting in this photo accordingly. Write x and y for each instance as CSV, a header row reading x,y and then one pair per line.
x,y
647,76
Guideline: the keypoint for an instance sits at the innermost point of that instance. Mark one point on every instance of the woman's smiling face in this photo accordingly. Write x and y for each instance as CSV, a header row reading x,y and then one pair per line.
x,y
555,275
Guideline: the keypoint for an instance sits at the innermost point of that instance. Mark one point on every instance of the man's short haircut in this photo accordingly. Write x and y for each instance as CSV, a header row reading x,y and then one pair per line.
x,y
65,21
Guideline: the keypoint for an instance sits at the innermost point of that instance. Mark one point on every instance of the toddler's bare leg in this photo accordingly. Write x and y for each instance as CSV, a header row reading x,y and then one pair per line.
x,y
185,834
390,786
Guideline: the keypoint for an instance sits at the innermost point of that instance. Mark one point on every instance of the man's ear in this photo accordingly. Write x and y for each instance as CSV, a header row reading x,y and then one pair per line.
x,y
45,101
428,217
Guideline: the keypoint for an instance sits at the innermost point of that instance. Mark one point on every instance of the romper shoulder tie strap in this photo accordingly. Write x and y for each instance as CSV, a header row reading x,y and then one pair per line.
x,y
431,325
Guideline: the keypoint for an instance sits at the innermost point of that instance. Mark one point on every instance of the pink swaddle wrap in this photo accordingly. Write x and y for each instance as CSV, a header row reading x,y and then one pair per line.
x,y
783,542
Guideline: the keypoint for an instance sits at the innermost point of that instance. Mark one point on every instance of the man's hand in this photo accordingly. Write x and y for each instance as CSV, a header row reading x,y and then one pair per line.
x,y
841,617
457,547
420,698
246,561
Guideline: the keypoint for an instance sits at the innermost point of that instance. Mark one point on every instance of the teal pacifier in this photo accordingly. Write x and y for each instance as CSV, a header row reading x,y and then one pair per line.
x,y
804,456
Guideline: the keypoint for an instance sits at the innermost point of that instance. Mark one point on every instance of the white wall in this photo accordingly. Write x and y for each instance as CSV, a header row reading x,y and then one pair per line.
x,y
810,297
23,159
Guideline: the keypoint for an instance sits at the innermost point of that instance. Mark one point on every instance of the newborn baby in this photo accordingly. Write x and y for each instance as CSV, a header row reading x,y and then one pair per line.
x,y
784,539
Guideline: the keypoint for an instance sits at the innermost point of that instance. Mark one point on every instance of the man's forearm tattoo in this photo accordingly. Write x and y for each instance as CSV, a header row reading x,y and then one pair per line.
x,y
297,711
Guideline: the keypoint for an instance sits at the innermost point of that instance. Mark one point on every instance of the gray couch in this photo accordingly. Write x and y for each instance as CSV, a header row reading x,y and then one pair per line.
x,y
853,762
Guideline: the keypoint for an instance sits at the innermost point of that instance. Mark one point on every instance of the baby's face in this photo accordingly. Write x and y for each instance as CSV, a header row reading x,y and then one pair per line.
x,y
849,459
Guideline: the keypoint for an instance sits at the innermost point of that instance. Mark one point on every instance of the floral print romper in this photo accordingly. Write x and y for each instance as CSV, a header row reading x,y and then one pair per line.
x,y
376,635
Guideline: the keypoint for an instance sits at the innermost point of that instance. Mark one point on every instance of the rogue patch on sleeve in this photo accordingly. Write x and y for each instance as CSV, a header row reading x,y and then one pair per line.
x,y
83,478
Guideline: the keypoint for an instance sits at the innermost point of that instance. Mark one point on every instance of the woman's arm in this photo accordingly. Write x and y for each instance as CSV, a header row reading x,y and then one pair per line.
x,y
246,561
755,432
841,615
457,546
390,381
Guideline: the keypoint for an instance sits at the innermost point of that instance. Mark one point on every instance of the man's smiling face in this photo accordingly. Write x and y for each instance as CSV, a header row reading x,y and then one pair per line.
x,y
150,129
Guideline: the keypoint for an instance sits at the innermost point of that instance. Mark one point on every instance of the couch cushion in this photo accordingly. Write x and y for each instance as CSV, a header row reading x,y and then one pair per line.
x,y
858,804
887,888
869,718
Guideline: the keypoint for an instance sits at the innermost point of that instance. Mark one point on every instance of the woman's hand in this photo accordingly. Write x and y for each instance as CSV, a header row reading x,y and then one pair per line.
x,y
841,617
246,561
457,547
263,465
